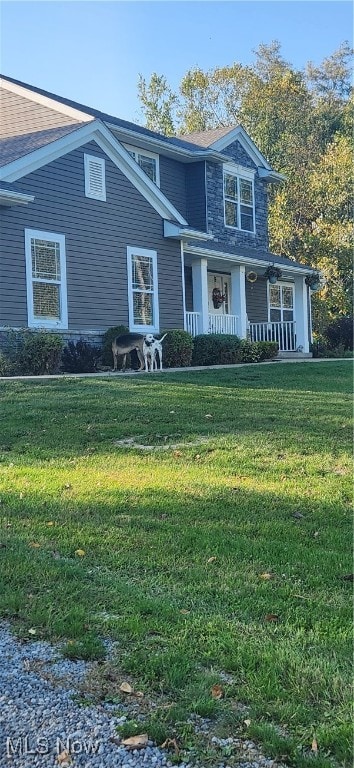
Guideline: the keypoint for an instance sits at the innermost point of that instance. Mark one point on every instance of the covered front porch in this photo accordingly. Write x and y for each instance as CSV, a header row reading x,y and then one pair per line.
x,y
237,299
284,333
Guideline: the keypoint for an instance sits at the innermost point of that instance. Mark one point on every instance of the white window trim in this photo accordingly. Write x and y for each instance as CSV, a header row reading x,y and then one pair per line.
x,y
143,328
240,173
101,162
36,322
146,153
282,283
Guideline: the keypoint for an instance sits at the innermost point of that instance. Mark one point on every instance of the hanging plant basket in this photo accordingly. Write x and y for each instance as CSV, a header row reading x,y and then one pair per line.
x,y
273,274
313,281
218,298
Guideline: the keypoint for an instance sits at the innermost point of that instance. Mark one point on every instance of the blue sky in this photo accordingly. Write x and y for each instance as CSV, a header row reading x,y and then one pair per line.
x,y
93,52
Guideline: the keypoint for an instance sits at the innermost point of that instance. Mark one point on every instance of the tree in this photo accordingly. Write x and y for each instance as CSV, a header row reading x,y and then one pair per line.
x,y
332,79
303,123
158,103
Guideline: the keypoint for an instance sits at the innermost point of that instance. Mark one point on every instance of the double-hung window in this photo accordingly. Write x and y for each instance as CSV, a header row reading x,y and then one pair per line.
x,y
148,162
142,288
46,279
281,303
238,201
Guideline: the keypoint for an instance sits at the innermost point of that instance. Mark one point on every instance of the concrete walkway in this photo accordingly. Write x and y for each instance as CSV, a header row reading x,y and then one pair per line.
x,y
119,374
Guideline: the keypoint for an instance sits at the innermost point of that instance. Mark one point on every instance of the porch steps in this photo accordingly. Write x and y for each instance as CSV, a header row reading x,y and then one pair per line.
x,y
293,355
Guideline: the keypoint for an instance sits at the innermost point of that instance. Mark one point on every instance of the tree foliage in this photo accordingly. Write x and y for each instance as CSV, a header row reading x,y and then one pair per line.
x,y
302,121
158,102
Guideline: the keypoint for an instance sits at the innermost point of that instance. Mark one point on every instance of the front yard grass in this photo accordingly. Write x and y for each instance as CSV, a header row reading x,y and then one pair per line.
x,y
219,560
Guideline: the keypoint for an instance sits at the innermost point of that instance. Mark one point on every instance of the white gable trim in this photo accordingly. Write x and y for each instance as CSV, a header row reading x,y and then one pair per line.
x,y
94,131
46,101
239,134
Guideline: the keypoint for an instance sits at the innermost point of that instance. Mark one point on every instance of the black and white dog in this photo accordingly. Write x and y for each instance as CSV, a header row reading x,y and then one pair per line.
x,y
152,348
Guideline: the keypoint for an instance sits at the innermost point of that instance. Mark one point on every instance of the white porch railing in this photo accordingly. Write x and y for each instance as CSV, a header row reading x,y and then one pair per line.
x,y
223,324
216,323
283,333
192,323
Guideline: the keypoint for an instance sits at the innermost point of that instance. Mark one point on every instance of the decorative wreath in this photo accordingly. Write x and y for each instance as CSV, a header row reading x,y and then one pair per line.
x,y
251,277
218,298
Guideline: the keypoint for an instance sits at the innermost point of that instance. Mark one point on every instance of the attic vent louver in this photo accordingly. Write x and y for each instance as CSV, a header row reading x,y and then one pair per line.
x,y
95,181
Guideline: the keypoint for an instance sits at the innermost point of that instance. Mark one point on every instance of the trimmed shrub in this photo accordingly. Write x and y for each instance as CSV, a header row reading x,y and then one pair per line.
x,y
111,333
222,349
7,367
177,349
340,333
216,349
267,350
80,357
37,352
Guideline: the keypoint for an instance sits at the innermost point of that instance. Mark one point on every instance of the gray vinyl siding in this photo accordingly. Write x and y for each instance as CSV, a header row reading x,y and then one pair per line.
x,y
257,301
97,235
23,116
173,183
188,284
196,200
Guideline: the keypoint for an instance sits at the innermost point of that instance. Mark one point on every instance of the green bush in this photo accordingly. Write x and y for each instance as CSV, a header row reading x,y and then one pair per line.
x,y
37,352
222,349
267,350
7,367
111,333
339,333
177,349
249,352
319,346
80,357
216,349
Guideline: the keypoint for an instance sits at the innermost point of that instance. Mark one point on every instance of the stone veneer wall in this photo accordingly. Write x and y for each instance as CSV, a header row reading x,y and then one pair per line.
x,y
215,204
92,337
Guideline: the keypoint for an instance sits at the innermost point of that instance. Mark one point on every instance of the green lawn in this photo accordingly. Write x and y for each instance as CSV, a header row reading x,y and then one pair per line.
x,y
169,551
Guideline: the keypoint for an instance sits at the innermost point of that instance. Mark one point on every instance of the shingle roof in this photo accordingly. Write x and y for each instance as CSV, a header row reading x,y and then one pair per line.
x,y
17,146
207,138
244,252
179,142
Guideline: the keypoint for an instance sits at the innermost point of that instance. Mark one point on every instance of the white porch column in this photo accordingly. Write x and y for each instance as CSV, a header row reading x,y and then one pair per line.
x,y
238,297
301,314
200,293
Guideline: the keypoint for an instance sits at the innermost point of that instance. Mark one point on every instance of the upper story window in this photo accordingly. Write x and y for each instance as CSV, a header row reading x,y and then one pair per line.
x,y
239,200
148,162
46,279
95,177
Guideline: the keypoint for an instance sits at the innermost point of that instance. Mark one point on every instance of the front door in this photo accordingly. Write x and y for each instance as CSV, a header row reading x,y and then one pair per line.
x,y
221,283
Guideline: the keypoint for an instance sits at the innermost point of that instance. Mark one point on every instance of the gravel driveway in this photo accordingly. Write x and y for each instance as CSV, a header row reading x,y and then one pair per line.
x,y
42,725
